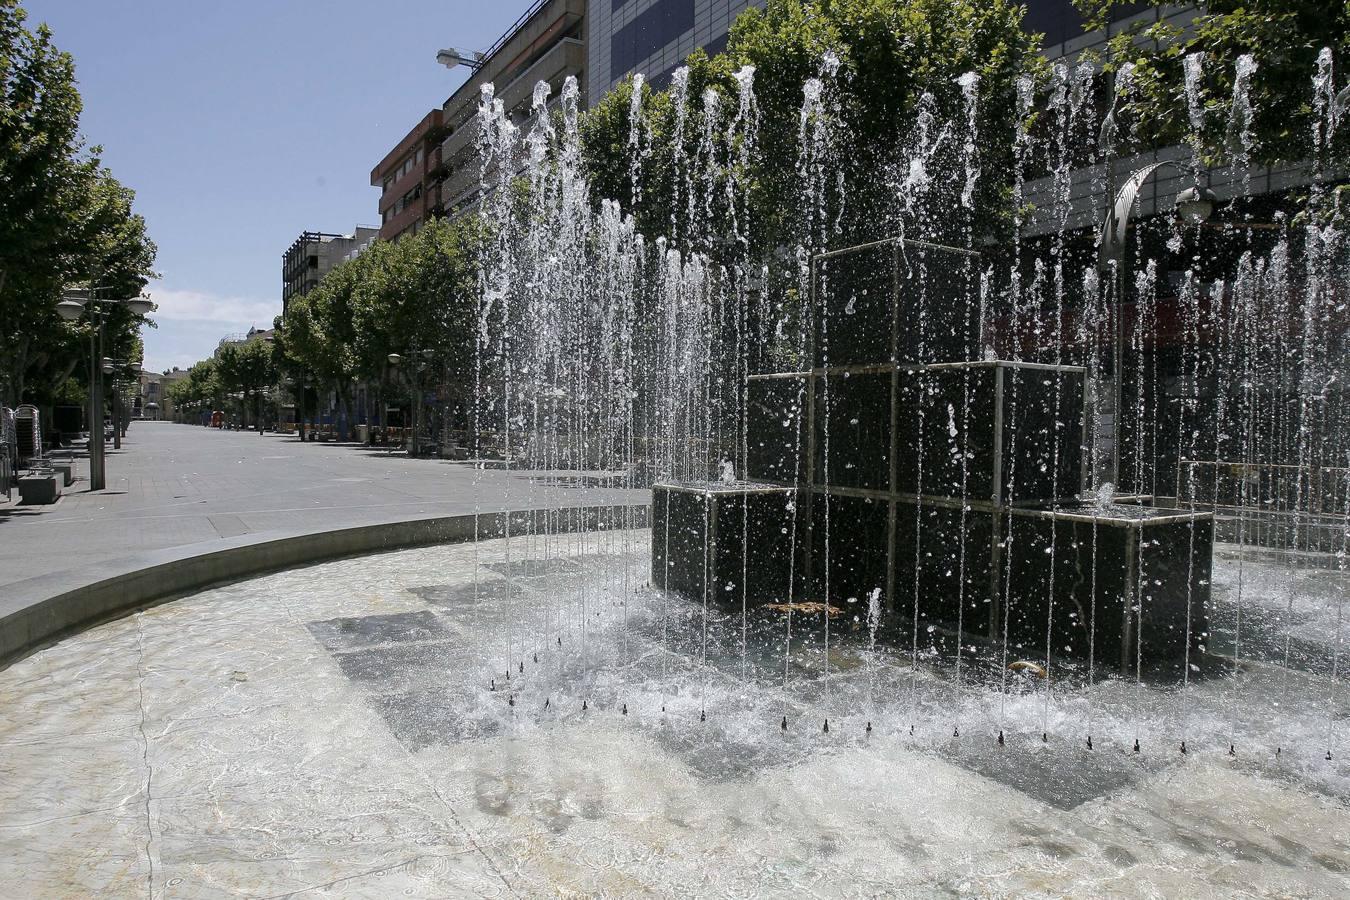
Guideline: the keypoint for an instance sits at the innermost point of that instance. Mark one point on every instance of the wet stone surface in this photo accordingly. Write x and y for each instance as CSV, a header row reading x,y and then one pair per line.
x,y
388,727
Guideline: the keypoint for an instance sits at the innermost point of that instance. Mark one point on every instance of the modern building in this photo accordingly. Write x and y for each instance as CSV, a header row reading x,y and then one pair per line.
x,y
434,169
655,36
406,178
313,255
245,337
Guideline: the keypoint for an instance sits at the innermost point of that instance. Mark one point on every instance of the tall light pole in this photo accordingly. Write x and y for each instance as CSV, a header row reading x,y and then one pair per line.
x,y
78,302
109,367
1194,205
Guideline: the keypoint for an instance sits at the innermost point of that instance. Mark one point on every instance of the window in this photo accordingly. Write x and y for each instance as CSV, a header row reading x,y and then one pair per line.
x,y
650,30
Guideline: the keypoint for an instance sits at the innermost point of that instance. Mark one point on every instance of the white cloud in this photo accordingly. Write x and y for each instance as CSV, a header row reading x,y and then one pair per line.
x,y
203,306
189,324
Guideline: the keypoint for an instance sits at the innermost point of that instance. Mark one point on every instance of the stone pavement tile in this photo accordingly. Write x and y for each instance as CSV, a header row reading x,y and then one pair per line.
x,y
355,632
62,779
98,854
342,842
98,668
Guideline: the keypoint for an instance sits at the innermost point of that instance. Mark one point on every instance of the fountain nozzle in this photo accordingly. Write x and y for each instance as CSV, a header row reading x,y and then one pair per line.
x,y
522,667
1183,746
625,709
510,699
869,726
1000,737
783,724
1136,745
583,705
1089,742
1231,751
703,715
493,686
826,729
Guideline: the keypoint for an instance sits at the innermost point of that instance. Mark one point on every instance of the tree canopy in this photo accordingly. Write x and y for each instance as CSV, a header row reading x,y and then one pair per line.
x,y
64,219
898,60
415,295
1284,39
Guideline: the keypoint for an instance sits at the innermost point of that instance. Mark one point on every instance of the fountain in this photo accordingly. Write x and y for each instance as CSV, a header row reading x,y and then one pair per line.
x,y
953,542
973,520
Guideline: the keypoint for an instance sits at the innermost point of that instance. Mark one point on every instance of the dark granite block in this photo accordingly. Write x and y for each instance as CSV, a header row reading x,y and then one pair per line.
x,y
952,587
939,305
1042,433
849,548
943,413
1099,572
1021,430
734,542
855,309
776,426
853,426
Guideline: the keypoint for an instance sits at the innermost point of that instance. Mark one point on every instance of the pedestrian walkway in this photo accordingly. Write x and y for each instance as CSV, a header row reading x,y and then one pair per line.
x,y
172,485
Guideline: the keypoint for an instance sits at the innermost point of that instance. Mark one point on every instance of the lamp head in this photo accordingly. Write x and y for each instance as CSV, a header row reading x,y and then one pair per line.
x,y
453,56
139,305
1195,205
70,310
394,359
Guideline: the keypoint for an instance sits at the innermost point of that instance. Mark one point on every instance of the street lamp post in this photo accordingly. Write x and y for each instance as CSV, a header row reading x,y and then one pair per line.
x,y
420,360
1194,205
109,367
75,303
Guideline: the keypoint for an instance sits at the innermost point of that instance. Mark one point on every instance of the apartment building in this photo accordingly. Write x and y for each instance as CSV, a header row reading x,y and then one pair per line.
x,y
312,255
434,169
407,177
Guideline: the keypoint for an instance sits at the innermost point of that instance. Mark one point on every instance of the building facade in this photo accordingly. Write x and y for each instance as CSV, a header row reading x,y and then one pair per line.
x,y
313,255
655,36
434,169
155,401
407,177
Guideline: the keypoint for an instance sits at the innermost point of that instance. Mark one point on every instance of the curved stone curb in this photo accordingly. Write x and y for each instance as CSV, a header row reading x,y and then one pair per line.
x,y
39,611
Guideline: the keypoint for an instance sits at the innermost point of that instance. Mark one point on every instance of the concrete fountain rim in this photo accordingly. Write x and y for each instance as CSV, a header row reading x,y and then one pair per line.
x,y
40,611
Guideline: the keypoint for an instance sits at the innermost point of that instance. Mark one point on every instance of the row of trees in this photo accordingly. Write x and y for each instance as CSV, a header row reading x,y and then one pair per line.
x,y
64,220
413,297
241,375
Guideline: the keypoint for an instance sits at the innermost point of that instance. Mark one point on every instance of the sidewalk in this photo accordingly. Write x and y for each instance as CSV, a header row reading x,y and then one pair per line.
x,y
172,485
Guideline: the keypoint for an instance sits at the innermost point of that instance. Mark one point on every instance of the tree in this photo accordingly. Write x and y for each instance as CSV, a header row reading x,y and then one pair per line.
x,y
201,389
64,219
247,368
415,296
1284,38
897,59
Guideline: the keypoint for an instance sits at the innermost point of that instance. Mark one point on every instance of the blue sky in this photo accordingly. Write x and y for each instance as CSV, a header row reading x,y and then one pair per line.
x,y
241,124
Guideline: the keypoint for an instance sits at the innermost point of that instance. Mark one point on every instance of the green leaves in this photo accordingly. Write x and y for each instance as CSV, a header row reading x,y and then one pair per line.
x,y
413,295
63,217
1284,37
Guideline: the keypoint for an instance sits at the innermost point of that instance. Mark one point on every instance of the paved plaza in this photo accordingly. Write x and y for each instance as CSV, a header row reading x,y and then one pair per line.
x,y
172,485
